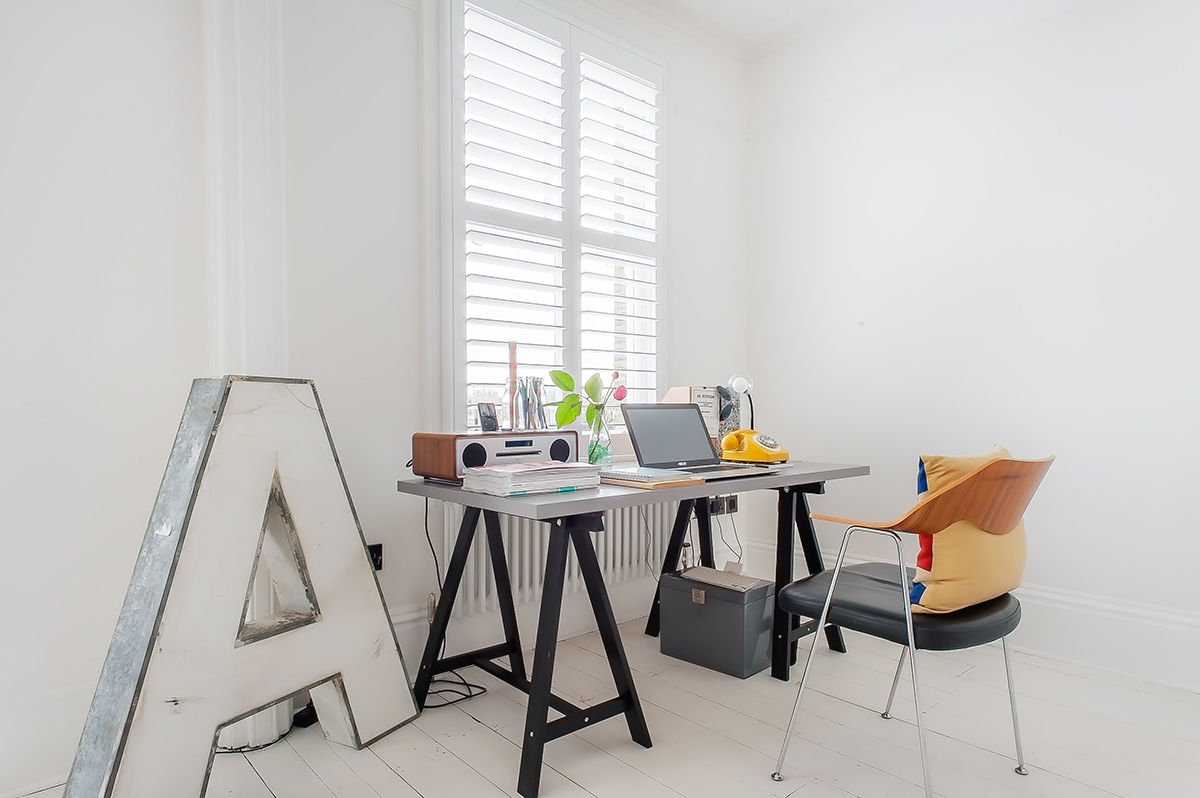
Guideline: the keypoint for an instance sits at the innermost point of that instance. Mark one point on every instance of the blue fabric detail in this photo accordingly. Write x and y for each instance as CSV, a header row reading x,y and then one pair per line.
x,y
918,590
922,483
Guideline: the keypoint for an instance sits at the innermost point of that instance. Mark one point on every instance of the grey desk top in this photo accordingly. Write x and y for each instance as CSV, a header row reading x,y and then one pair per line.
x,y
545,506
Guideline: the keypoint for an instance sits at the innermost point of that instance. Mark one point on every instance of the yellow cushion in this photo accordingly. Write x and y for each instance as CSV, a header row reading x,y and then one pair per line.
x,y
968,565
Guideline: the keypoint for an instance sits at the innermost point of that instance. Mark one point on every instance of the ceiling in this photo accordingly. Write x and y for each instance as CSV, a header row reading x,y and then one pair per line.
x,y
750,24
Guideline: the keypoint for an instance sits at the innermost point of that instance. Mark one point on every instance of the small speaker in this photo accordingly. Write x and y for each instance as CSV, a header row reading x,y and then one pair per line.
x,y
445,455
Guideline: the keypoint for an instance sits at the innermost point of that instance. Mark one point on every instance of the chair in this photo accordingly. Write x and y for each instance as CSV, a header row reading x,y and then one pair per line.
x,y
873,598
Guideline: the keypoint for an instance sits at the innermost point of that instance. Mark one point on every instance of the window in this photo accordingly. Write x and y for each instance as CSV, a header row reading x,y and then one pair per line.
x,y
556,206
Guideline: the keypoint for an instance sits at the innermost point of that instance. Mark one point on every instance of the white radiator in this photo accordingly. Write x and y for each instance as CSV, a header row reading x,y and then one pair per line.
x,y
631,546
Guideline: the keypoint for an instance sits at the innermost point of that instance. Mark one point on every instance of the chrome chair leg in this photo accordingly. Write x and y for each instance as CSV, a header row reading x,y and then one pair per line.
x,y
912,653
887,711
1012,700
787,735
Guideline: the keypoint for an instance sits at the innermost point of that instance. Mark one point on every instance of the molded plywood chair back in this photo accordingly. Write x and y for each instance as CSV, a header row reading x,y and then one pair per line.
x,y
993,497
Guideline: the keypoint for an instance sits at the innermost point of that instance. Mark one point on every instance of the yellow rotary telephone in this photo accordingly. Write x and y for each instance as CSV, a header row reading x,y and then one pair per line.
x,y
748,446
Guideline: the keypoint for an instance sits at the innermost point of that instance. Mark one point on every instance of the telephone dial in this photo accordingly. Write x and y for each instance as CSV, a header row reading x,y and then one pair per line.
x,y
748,446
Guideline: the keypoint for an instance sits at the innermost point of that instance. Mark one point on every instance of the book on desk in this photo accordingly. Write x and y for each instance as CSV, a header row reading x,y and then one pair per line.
x,y
521,479
650,483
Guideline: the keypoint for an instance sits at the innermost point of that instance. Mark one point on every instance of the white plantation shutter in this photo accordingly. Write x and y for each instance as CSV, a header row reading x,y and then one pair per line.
x,y
557,208
618,159
618,315
513,292
618,149
513,112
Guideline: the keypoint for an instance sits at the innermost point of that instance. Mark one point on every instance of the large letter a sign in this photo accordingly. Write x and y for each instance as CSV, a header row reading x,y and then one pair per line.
x,y
253,486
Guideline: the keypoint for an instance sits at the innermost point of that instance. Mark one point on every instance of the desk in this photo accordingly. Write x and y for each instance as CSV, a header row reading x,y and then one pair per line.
x,y
571,517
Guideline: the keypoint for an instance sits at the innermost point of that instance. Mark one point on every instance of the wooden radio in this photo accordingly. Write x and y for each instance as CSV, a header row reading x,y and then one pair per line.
x,y
445,455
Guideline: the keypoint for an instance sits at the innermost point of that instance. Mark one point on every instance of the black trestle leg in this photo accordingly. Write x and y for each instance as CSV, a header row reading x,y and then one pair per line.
x,y
593,580
671,558
780,624
437,632
504,596
533,740
816,564
704,528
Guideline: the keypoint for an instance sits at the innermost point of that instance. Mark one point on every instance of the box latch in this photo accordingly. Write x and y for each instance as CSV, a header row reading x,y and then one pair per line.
x,y
697,596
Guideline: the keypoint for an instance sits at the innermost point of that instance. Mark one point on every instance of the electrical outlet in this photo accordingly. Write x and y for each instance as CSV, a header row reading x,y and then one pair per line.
x,y
720,505
376,552
430,608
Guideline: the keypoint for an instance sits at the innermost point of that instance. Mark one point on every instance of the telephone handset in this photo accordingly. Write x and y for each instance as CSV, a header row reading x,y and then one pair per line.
x,y
748,446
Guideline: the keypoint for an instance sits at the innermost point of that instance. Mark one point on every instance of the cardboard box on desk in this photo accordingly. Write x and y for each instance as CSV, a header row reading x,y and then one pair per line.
x,y
718,405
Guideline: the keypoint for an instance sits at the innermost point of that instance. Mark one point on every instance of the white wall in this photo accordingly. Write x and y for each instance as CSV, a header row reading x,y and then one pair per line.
x,y
352,131
977,223
102,315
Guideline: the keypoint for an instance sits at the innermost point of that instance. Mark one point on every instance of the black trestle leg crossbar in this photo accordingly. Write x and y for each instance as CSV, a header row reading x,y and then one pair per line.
x,y
587,717
478,657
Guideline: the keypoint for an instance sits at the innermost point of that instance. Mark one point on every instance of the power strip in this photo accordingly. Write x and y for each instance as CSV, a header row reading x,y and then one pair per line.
x,y
722,505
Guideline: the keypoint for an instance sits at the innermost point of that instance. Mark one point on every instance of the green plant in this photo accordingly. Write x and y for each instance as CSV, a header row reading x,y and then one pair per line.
x,y
591,403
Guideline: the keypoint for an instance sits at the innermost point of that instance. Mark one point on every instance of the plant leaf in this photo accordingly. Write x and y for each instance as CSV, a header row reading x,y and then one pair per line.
x,y
562,379
593,387
568,410
591,415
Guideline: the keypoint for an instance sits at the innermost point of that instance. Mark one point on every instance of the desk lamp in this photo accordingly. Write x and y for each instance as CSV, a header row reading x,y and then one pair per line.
x,y
743,385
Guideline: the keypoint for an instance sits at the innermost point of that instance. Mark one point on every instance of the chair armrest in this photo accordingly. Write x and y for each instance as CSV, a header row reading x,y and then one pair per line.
x,y
848,521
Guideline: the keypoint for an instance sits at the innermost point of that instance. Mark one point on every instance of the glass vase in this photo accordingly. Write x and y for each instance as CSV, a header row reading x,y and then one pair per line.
x,y
599,442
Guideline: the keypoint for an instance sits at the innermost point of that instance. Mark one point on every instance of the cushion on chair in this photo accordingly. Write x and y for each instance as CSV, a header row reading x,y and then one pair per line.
x,y
962,564
869,599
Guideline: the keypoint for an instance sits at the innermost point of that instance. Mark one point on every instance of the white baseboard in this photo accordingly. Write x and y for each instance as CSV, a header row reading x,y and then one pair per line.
x,y
1140,640
1157,644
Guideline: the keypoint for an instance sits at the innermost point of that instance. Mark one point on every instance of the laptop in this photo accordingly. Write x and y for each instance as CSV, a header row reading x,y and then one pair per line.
x,y
671,440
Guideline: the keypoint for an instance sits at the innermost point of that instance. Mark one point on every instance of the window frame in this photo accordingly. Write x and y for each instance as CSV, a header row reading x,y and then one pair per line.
x,y
576,37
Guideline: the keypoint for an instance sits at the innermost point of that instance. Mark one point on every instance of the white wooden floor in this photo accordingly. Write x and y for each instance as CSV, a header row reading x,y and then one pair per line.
x,y
1087,734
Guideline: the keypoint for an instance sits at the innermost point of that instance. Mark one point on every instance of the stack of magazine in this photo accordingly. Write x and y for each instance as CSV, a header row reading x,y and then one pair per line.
x,y
519,479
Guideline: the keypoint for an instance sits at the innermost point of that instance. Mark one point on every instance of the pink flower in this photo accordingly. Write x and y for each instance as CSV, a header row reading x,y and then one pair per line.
x,y
619,394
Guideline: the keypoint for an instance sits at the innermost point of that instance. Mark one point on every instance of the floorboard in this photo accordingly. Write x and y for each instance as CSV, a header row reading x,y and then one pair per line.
x,y
1087,734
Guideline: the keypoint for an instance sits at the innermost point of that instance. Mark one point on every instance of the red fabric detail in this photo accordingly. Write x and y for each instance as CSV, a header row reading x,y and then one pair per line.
x,y
925,555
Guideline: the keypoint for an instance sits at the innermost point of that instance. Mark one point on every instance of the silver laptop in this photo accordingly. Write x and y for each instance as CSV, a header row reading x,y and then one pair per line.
x,y
671,440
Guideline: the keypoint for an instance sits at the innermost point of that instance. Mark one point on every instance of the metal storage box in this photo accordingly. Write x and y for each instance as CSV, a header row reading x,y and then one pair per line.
x,y
719,628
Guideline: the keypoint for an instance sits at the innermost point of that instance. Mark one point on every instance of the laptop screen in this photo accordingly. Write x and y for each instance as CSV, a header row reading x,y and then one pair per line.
x,y
669,436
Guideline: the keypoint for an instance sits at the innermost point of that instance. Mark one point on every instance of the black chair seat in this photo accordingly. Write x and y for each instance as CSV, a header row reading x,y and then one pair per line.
x,y
867,600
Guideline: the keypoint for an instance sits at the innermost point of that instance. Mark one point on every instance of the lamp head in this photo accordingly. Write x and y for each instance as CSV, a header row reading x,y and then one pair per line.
x,y
740,384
